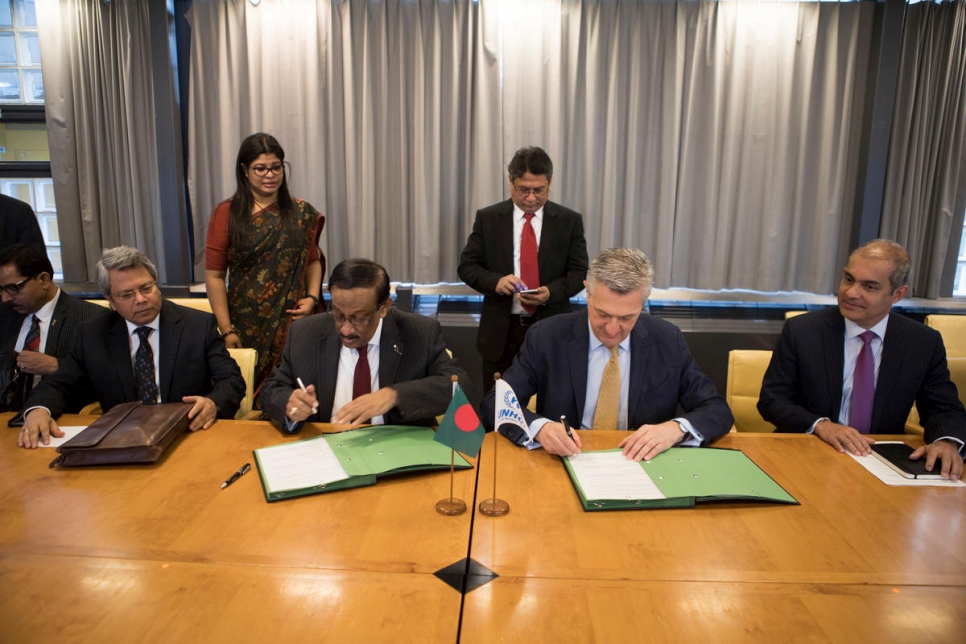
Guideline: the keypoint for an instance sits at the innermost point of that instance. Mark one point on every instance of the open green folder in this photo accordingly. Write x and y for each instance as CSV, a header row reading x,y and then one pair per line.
x,y
677,478
354,458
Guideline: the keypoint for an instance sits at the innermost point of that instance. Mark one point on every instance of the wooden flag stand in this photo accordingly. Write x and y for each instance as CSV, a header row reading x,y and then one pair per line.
x,y
494,507
451,506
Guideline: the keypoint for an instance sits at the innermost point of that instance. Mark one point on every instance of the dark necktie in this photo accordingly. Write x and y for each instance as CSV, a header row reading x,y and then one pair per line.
x,y
32,341
361,379
863,386
145,386
529,271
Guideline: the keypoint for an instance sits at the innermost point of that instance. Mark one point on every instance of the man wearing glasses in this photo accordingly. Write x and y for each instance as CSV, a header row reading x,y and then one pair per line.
x,y
527,256
362,362
38,321
148,349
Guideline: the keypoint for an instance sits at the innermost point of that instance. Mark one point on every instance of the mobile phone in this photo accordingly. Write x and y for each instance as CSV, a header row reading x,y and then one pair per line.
x,y
529,291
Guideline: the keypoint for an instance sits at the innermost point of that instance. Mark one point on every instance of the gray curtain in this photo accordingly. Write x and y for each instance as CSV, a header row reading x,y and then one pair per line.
x,y
388,113
97,70
721,138
925,195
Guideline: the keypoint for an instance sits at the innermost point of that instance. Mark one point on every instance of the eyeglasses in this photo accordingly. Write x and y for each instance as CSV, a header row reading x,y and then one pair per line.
x,y
127,296
536,192
356,321
263,170
13,289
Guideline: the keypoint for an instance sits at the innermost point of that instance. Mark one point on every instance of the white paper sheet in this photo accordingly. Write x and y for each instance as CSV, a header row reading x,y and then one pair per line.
x,y
609,475
69,432
890,477
294,466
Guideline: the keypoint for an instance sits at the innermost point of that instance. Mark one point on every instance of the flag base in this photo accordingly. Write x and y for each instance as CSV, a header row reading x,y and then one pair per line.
x,y
451,507
494,507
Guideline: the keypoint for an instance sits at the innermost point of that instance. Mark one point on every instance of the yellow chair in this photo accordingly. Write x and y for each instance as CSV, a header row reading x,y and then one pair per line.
x,y
953,330
957,373
746,370
246,359
791,314
200,303
103,303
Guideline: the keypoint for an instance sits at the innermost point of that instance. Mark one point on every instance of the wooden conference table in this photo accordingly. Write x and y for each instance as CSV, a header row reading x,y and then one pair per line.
x,y
161,553
857,561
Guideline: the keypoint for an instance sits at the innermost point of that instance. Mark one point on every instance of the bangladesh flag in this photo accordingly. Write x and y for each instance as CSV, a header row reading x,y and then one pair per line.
x,y
461,428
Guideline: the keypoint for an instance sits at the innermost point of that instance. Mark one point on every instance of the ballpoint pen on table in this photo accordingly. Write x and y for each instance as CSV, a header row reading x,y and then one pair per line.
x,y
234,477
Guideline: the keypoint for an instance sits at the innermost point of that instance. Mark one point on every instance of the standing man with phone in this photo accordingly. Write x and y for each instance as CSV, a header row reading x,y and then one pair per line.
x,y
527,256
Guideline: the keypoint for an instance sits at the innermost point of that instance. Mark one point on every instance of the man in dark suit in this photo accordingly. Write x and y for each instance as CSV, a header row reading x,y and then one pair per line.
x,y
38,322
148,349
494,261
613,368
363,361
811,382
18,224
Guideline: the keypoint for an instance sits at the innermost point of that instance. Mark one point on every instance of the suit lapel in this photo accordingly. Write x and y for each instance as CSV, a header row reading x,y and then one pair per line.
x,y
833,343
640,352
56,323
327,349
889,364
547,242
504,231
169,341
119,347
576,355
391,350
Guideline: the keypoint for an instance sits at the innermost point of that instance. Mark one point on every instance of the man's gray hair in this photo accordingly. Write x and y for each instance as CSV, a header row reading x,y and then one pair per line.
x,y
888,251
121,258
622,270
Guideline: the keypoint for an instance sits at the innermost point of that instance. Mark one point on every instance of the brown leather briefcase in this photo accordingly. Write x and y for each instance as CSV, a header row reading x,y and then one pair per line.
x,y
128,433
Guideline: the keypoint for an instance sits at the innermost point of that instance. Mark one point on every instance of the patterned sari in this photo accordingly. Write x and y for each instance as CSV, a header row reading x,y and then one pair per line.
x,y
268,278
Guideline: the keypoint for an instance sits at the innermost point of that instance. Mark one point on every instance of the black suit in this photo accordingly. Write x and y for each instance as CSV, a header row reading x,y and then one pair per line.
x,y
69,313
663,377
193,362
804,379
18,224
488,256
412,360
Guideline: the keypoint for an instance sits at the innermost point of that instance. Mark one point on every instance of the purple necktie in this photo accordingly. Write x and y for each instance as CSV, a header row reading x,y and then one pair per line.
x,y
863,386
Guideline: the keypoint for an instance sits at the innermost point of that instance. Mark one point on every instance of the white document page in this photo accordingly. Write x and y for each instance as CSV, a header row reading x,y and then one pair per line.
x,y
890,477
293,466
609,475
69,432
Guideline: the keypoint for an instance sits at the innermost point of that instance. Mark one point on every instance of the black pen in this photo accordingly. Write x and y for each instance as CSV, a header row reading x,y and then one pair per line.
x,y
570,434
234,477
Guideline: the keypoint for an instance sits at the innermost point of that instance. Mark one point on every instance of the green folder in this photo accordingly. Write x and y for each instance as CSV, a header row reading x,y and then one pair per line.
x,y
362,455
685,476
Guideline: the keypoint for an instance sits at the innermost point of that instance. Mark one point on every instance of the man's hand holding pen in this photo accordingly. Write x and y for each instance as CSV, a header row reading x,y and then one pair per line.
x,y
557,438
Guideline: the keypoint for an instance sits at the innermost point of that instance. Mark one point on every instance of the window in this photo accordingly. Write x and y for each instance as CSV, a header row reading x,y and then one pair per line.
x,y
21,82
24,151
959,282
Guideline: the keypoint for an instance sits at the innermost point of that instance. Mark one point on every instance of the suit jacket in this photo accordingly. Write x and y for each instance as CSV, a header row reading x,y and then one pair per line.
x,y
192,357
488,256
18,224
412,359
804,379
69,313
663,376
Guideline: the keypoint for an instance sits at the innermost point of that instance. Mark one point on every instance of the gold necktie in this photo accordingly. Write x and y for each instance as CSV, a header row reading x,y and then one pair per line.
x,y
609,397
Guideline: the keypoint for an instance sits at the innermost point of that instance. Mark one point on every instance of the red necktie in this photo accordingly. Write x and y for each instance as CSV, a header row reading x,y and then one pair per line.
x,y
863,386
361,380
529,271
32,341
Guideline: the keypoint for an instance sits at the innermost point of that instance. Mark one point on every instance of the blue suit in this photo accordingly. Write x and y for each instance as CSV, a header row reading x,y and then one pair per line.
x,y
663,376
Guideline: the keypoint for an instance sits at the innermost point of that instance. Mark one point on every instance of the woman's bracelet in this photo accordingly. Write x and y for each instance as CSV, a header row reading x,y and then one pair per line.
x,y
314,299
228,332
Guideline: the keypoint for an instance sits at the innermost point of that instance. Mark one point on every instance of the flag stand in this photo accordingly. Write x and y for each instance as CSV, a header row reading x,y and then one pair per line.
x,y
494,507
451,506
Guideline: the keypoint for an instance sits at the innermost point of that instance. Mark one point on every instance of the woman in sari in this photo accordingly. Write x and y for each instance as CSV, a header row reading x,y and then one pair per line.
x,y
263,267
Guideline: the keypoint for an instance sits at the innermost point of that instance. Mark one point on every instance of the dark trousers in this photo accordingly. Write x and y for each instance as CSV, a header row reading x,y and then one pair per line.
x,y
514,340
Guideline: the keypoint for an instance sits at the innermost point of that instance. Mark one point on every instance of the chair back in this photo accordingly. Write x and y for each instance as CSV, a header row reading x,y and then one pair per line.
x,y
953,330
246,359
746,370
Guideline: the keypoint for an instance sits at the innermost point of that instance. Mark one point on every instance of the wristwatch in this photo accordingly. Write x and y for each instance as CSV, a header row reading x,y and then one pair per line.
x,y
228,332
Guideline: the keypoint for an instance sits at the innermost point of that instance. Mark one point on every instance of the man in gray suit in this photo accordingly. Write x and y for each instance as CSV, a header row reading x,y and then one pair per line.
x,y
362,362
809,386
38,321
